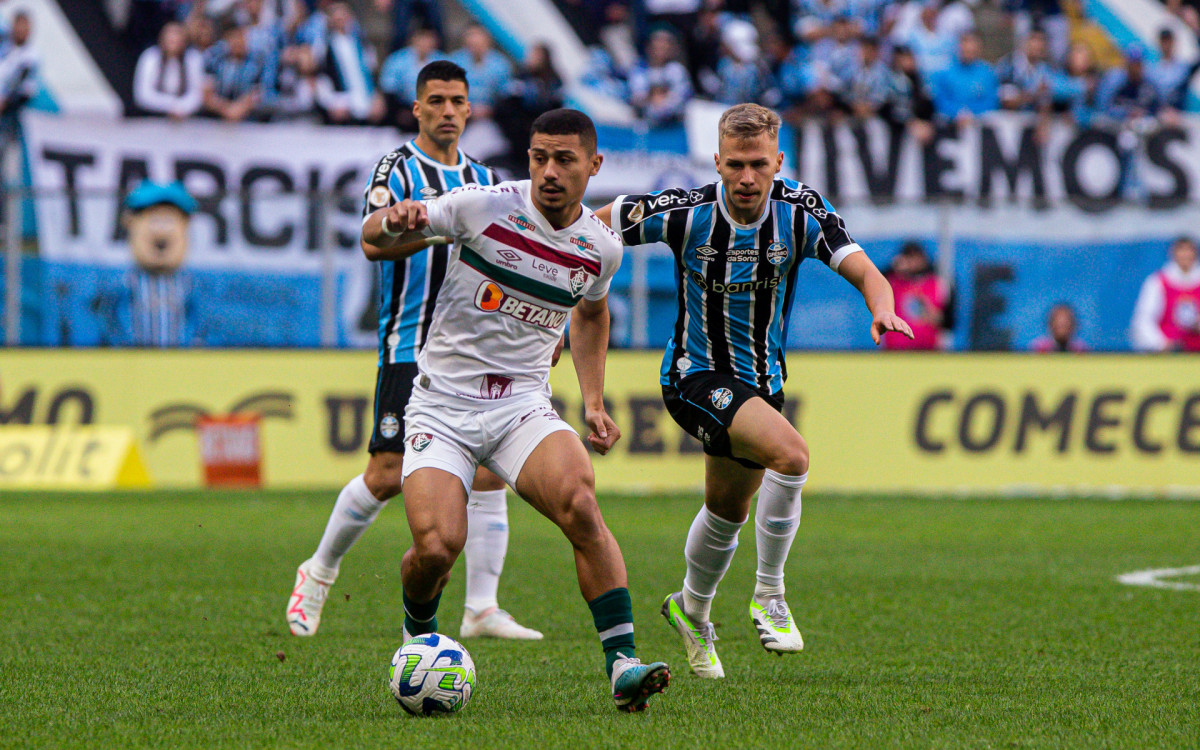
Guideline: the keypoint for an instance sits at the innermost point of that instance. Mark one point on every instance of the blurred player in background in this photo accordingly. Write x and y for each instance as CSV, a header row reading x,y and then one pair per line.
x,y
526,255
738,245
924,298
1167,315
425,167
1062,327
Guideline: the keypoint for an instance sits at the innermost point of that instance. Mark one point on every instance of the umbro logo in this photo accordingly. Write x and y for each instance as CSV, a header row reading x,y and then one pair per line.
x,y
429,192
507,254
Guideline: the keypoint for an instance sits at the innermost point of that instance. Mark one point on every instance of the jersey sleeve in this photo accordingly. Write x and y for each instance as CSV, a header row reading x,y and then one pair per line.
x,y
826,238
636,221
610,261
380,193
450,214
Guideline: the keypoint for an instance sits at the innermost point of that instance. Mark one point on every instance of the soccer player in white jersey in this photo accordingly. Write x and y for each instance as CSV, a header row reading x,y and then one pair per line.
x,y
738,245
429,165
526,254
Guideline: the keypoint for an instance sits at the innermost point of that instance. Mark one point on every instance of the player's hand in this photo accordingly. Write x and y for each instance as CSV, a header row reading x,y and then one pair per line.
x,y
407,216
604,431
885,322
558,350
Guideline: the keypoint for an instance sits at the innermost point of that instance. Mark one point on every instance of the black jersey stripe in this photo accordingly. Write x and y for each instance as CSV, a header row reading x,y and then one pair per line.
x,y
799,225
714,304
762,300
676,229
435,258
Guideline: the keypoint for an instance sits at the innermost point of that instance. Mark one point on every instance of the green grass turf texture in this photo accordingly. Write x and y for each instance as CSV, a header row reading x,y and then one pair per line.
x,y
155,619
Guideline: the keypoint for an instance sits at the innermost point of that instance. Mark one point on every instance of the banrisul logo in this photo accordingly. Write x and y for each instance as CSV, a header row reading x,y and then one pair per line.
x,y
522,222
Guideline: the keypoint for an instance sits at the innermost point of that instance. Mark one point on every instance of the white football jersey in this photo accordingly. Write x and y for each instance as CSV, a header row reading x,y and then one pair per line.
x,y
510,285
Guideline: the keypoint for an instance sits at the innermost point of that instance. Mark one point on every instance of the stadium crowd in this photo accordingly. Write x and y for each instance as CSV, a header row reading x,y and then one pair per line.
x,y
917,63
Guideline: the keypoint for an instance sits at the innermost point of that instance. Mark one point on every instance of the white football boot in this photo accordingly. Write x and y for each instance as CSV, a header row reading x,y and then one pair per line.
x,y
308,597
777,630
495,623
698,639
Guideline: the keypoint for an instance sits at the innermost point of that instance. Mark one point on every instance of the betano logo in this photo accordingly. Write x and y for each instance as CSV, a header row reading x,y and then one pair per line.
x,y
489,297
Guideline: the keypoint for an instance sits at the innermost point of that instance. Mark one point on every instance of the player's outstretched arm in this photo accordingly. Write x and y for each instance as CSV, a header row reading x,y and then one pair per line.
x,y
397,231
589,347
605,215
858,269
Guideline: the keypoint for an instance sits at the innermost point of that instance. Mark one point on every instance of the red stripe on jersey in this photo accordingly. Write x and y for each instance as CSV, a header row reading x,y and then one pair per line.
x,y
537,249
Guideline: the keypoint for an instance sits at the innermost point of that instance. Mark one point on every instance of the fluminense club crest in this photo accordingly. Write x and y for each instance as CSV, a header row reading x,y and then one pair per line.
x,y
420,441
578,278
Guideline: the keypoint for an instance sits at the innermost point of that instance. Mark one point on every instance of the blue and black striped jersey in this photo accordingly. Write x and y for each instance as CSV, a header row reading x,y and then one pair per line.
x,y
409,288
735,282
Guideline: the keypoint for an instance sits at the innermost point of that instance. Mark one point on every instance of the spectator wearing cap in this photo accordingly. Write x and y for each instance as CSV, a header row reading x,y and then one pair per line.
x,y
169,77
1126,93
487,70
1062,327
660,87
1169,74
968,88
398,76
741,73
345,92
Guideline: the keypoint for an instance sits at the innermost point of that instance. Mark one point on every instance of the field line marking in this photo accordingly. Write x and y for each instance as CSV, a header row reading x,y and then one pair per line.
x,y
1153,578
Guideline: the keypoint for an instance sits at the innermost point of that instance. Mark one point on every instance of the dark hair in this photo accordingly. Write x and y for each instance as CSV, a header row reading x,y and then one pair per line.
x,y
1183,239
566,122
441,70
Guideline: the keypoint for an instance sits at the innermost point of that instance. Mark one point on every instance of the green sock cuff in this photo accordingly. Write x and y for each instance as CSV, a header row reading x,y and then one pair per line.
x,y
612,608
612,613
420,617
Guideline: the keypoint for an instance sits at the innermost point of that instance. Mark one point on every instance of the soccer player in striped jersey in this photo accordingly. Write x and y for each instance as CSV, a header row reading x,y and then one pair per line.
x,y
424,168
738,245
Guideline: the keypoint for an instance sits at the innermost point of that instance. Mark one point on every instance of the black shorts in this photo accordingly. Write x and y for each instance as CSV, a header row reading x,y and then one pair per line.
x,y
704,404
393,387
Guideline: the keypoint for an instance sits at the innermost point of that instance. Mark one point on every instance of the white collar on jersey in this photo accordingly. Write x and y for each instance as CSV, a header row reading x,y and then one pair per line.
x,y
725,210
462,158
526,190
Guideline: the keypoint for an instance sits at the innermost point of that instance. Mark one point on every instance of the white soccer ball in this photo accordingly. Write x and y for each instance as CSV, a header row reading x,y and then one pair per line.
x,y
432,674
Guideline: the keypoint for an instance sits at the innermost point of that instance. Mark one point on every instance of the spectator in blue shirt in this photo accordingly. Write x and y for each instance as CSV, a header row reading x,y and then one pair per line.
x,y
660,87
233,90
1076,88
742,75
398,76
1170,74
931,43
1026,76
1126,93
969,87
488,71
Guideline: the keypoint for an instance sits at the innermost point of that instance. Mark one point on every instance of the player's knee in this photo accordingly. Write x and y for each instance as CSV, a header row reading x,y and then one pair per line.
x,y
383,475
435,553
791,459
580,517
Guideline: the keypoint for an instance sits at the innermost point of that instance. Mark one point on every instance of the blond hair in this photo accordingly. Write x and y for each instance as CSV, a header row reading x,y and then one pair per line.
x,y
748,121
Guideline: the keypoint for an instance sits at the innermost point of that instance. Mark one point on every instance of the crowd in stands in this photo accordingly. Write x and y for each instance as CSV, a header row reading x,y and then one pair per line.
x,y
916,63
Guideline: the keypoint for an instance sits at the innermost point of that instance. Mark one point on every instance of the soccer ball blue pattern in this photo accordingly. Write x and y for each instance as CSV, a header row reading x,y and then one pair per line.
x,y
432,674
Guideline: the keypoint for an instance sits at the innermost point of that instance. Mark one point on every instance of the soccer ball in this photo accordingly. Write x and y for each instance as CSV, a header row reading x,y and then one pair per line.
x,y
432,674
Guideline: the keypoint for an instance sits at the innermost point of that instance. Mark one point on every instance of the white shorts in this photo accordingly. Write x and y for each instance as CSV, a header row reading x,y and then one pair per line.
x,y
458,440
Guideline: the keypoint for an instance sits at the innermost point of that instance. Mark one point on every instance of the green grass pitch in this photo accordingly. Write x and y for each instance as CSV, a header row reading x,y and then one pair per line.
x,y
155,620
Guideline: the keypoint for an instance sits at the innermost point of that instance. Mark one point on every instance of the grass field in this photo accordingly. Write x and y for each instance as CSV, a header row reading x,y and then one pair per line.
x,y
155,620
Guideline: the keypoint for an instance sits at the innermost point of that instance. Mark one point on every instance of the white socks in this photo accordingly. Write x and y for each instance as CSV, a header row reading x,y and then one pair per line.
x,y
775,524
711,542
354,511
487,543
